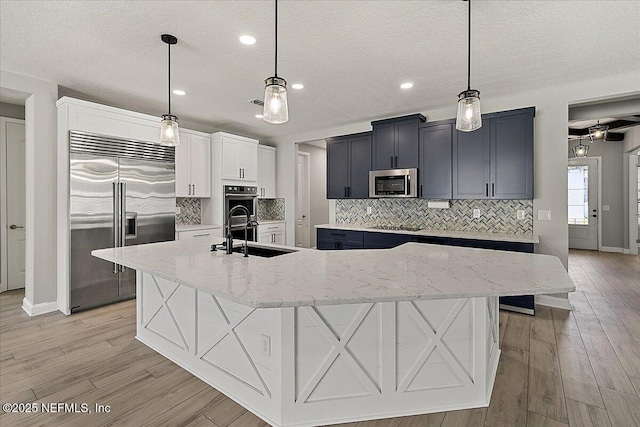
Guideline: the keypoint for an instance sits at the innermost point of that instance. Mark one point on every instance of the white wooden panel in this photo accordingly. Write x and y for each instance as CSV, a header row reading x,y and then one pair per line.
x,y
249,161
200,161
183,166
231,158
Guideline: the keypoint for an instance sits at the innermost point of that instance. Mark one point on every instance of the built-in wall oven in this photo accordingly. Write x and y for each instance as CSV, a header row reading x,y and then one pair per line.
x,y
393,183
246,196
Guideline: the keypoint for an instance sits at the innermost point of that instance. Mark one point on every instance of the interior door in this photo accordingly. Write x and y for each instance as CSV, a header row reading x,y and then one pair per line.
x,y
583,204
16,240
302,201
148,189
93,216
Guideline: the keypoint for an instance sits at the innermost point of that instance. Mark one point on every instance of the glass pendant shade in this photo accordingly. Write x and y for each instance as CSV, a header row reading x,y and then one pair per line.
x,y
169,133
469,117
598,132
276,109
580,151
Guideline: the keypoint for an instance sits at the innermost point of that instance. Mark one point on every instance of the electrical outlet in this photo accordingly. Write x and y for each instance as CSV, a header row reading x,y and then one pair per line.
x,y
265,345
369,210
476,213
519,214
178,210
544,215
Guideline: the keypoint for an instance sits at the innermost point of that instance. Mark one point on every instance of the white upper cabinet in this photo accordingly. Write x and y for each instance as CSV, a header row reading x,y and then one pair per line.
x,y
239,159
266,172
193,165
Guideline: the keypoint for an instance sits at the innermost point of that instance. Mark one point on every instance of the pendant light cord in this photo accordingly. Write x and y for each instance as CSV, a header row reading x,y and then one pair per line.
x,y
469,51
169,82
276,33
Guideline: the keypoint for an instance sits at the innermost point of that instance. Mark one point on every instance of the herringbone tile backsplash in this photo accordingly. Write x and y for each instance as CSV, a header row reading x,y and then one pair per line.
x,y
190,211
497,216
270,210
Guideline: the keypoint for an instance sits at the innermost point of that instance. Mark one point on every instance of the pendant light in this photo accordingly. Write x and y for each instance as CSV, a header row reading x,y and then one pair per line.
x,y
169,133
469,118
598,132
580,151
276,110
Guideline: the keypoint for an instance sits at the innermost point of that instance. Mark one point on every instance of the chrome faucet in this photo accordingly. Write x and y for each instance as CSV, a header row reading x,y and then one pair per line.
x,y
249,223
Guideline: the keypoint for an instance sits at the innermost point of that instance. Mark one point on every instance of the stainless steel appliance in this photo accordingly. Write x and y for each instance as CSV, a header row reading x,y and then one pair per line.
x,y
393,183
240,195
122,193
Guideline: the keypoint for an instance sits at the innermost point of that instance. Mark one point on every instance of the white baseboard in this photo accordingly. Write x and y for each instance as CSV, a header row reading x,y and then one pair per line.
x,y
37,309
612,249
555,302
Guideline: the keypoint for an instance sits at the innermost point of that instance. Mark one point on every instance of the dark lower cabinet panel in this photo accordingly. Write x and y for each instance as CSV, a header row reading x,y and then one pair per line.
x,y
329,239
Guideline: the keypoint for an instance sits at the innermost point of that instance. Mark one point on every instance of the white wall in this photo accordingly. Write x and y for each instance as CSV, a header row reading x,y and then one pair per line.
x,y
318,203
12,110
40,226
552,106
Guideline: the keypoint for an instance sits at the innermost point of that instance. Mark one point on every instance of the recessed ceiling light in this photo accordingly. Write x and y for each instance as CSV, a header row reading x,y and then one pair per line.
x,y
259,116
247,40
179,92
297,86
407,85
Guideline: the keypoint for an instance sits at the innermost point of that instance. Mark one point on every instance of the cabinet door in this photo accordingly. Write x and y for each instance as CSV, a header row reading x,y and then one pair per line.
x,y
406,137
266,172
230,158
278,238
183,181
383,146
337,168
249,161
471,164
512,157
265,238
435,161
359,167
200,158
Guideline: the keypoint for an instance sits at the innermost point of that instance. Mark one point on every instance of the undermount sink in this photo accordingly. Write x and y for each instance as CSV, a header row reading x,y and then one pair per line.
x,y
263,251
395,227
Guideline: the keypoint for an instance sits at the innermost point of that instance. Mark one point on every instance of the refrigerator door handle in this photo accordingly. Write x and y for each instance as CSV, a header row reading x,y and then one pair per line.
x,y
116,211
123,217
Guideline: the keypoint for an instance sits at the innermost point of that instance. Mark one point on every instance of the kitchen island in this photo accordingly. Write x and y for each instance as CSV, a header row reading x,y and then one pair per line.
x,y
321,337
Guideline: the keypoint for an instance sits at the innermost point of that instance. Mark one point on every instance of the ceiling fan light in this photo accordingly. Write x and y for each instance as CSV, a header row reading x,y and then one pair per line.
x,y
169,132
469,117
276,109
598,132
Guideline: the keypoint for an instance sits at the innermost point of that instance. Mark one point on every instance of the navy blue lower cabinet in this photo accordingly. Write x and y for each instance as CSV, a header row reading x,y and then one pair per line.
x,y
373,240
329,239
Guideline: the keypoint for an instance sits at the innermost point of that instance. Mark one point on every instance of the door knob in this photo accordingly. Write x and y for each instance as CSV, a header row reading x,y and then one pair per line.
x,y
13,226
594,216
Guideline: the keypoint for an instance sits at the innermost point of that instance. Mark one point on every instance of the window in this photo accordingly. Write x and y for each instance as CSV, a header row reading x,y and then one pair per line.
x,y
579,195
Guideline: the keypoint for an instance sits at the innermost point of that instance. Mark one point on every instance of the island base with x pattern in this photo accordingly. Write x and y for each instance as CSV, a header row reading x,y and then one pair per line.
x,y
310,366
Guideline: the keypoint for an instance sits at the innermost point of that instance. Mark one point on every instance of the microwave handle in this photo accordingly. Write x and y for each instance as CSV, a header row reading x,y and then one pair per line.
x,y
407,182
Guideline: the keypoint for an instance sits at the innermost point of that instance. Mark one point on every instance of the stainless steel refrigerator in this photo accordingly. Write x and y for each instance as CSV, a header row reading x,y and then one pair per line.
x,y
122,193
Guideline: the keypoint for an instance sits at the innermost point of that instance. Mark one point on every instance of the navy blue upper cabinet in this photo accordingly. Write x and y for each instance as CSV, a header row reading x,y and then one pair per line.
x,y
348,165
395,142
496,161
512,156
435,147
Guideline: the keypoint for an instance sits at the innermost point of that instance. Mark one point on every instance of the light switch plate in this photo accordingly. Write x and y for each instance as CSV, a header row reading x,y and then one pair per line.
x,y
544,215
369,210
265,345
520,214
476,213
178,210
606,207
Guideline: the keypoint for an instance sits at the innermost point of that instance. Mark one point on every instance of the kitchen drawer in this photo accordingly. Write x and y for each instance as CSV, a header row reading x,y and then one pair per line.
x,y
203,233
340,235
275,227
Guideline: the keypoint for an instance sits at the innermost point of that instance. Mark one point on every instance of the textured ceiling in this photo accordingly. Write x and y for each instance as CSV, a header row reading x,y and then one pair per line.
x,y
350,55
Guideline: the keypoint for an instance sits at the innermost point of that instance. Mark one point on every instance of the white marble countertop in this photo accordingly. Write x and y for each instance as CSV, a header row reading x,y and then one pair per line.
x,y
475,235
194,227
413,271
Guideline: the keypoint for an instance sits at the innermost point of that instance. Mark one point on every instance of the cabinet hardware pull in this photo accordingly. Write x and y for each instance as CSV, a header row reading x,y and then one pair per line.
x,y
239,172
194,189
420,190
493,189
487,189
391,161
349,191
201,235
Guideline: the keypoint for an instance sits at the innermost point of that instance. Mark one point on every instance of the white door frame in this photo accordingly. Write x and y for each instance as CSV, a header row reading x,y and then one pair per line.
x,y
4,239
634,159
575,161
308,157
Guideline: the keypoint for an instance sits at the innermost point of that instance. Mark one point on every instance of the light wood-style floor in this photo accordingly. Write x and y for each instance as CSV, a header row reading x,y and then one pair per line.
x,y
579,368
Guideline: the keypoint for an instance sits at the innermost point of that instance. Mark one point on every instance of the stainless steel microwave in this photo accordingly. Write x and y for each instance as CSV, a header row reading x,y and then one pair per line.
x,y
393,183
